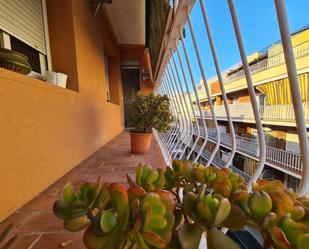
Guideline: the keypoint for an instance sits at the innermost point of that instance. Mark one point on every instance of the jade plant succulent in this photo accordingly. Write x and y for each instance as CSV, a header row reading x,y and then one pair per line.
x,y
172,209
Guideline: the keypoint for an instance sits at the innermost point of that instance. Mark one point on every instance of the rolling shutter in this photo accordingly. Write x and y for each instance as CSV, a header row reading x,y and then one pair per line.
x,y
24,20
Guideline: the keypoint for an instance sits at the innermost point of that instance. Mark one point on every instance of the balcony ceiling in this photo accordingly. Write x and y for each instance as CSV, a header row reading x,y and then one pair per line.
x,y
128,20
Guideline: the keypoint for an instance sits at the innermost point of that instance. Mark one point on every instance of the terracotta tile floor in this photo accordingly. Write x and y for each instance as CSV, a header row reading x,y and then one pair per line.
x,y
35,224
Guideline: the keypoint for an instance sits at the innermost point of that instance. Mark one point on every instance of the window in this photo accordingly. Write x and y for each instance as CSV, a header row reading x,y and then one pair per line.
x,y
108,95
23,28
112,86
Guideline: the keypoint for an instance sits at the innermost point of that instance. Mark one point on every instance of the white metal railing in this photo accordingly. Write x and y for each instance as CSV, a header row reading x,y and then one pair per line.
x,y
179,141
287,159
282,112
274,60
238,111
243,111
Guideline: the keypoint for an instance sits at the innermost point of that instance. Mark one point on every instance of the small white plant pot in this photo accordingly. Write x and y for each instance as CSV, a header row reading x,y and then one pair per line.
x,y
62,80
51,77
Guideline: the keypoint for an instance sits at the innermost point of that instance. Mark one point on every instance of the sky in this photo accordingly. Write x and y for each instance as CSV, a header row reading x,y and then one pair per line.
x,y
258,24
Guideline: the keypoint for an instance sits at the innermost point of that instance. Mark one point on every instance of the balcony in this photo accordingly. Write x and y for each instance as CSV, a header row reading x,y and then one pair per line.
x,y
239,112
47,131
243,112
272,61
277,158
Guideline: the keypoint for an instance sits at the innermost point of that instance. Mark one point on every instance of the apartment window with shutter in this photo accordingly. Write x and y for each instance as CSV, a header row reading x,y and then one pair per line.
x,y
23,28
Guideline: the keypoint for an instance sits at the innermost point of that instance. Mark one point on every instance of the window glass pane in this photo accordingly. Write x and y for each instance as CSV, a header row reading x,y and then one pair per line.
x,y
33,55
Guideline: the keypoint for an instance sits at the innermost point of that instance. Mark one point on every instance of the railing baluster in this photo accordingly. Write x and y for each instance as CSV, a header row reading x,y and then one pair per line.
x,y
221,83
176,138
186,107
173,137
217,145
295,93
260,165
171,131
197,100
191,103
181,141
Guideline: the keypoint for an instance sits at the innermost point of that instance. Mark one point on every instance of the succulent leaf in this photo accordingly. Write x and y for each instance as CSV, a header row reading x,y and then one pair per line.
x,y
74,210
67,193
218,240
76,224
189,236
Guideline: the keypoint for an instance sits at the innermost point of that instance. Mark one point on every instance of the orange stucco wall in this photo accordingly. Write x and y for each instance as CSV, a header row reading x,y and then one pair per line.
x,y
46,130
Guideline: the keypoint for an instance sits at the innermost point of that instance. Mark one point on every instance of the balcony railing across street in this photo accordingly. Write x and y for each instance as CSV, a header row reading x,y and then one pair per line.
x,y
278,157
274,60
243,111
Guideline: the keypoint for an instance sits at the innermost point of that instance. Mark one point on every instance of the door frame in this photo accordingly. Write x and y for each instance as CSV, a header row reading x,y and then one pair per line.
x,y
128,66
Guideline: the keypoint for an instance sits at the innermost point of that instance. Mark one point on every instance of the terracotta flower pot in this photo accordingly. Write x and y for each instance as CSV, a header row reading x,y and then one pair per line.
x,y
140,142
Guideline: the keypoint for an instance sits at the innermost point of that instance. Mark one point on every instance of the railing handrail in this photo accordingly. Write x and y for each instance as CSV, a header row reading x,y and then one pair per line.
x,y
264,63
283,112
211,131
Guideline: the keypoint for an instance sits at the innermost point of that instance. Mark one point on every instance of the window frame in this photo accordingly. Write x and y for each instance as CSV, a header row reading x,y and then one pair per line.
x,y
107,83
44,60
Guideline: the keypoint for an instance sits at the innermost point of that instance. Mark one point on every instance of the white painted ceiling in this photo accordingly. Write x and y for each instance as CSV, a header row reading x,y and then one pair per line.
x,y
128,20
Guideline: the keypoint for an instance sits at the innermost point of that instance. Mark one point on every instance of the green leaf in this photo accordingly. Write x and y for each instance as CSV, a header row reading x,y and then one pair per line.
x,y
179,219
303,241
223,211
108,221
218,240
86,193
189,236
64,211
189,203
102,198
115,239
76,224
97,191
67,193
236,219
140,242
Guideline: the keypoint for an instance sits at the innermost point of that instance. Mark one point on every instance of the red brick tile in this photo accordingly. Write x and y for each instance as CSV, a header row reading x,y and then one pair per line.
x,y
17,219
74,241
41,222
40,203
25,242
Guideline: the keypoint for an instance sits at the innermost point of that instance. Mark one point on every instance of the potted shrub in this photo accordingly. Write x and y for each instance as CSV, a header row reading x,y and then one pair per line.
x,y
147,112
175,208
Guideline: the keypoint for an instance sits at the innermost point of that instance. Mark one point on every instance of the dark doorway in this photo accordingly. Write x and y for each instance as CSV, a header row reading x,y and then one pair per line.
x,y
130,85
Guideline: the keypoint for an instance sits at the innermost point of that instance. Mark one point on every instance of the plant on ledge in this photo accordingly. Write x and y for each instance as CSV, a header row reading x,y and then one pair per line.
x,y
173,209
148,112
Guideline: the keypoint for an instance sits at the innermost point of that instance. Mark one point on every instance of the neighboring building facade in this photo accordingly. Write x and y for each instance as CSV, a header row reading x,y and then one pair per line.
x,y
273,94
